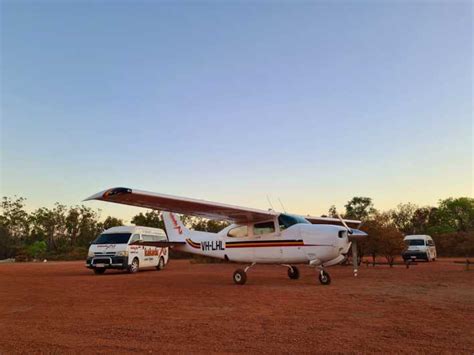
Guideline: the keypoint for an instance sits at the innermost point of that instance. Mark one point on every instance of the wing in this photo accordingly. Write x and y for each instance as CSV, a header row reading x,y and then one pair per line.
x,y
188,206
327,220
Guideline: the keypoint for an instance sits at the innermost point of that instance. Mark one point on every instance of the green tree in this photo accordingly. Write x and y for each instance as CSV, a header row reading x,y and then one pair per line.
x,y
208,225
403,217
112,222
149,219
37,249
420,219
332,212
453,215
360,208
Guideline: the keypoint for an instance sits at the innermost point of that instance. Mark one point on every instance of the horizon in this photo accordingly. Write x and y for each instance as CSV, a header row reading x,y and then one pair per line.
x,y
310,103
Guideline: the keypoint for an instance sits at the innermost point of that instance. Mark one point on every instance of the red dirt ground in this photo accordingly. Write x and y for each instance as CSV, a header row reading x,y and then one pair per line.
x,y
62,307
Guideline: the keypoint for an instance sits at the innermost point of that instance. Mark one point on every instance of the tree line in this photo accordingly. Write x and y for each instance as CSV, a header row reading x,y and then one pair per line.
x,y
64,232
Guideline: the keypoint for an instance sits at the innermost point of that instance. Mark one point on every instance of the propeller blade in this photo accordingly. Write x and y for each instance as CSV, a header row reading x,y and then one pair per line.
x,y
344,224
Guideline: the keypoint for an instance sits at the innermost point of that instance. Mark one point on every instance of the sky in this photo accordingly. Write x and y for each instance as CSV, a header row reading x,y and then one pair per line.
x,y
311,103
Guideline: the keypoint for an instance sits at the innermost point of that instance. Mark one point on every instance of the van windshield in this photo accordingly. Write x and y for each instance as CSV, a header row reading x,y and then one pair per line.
x,y
112,238
415,242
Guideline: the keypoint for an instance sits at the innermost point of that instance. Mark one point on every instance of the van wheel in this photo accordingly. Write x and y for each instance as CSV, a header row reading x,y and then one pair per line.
x,y
133,268
161,264
99,271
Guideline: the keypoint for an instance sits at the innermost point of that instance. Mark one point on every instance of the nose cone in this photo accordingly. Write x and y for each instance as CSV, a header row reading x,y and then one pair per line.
x,y
357,235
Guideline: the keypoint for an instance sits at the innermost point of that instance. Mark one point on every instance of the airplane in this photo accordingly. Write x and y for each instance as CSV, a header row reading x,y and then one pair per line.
x,y
254,237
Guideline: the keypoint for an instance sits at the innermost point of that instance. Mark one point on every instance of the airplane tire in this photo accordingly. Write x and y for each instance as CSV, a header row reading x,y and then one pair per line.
x,y
293,273
324,278
240,277
99,271
161,264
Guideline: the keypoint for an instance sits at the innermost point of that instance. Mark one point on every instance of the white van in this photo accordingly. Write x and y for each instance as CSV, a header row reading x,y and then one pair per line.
x,y
419,247
113,250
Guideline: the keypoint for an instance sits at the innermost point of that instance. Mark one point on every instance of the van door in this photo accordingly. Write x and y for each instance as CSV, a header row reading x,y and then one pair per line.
x,y
150,253
135,251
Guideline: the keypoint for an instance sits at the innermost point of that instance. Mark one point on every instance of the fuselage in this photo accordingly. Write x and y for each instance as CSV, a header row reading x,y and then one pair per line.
x,y
300,243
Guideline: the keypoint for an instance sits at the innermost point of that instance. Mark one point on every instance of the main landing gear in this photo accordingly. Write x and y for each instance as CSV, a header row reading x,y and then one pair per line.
x,y
240,275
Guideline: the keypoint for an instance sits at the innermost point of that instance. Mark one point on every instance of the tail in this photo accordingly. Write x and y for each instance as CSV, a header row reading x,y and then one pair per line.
x,y
175,229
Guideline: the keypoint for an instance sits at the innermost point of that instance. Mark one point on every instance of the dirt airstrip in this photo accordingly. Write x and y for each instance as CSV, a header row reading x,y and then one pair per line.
x,y
59,307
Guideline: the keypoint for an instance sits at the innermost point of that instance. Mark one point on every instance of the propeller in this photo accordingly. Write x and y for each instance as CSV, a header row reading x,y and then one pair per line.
x,y
354,245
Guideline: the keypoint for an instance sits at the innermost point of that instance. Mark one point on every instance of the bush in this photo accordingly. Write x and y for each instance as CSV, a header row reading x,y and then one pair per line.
x,y
455,244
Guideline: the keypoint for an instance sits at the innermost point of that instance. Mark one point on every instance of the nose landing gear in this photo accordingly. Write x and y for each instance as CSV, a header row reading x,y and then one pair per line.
x,y
324,277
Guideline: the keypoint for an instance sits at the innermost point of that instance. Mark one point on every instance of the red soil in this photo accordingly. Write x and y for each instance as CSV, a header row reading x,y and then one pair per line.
x,y
63,307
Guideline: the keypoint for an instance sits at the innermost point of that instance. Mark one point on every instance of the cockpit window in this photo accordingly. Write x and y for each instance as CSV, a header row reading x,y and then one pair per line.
x,y
287,220
263,228
238,232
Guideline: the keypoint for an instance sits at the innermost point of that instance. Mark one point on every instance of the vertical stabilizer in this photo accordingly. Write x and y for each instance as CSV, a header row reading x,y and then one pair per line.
x,y
175,228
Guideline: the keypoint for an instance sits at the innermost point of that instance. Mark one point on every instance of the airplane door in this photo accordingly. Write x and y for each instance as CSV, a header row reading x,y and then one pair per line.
x,y
266,247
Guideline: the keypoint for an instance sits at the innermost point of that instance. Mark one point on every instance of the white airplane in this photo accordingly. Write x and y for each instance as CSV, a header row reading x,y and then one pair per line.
x,y
255,237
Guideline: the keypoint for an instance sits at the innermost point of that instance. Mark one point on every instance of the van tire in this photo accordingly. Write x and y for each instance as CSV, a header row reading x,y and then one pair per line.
x,y
161,264
99,271
134,266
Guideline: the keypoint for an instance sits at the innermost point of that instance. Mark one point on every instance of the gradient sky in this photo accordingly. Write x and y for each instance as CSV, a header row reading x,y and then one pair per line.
x,y
311,102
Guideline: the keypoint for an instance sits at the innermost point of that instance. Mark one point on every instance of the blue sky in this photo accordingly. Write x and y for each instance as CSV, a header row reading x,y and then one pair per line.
x,y
311,102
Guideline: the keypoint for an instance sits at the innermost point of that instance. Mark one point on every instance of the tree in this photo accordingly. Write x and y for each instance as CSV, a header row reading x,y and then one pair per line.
x,y
332,212
360,208
112,222
420,219
36,249
208,225
402,217
384,238
149,219
453,215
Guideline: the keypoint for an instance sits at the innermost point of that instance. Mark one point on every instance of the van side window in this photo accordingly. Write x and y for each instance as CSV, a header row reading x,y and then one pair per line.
x,y
149,238
430,243
263,228
238,232
134,238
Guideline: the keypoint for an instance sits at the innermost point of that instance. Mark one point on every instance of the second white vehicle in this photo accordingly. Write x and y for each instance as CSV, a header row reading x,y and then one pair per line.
x,y
419,247
125,248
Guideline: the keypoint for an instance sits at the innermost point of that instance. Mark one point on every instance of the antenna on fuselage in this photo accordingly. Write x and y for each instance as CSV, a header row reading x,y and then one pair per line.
x,y
281,203
270,203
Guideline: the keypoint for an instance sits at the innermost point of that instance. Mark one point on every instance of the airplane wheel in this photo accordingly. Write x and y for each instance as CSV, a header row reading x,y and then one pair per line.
x,y
324,278
293,273
240,277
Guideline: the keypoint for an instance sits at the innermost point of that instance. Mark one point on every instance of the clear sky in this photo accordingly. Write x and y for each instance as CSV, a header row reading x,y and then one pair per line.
x,y
309,102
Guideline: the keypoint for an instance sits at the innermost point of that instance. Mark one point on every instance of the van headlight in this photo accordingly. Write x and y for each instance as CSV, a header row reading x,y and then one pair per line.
x,y
122,253
90,254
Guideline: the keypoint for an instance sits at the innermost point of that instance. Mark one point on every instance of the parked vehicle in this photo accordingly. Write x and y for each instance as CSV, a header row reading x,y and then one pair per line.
x,y
419,247
120,248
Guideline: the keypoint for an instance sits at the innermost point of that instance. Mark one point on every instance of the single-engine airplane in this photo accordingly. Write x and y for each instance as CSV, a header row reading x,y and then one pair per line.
x,y
255,237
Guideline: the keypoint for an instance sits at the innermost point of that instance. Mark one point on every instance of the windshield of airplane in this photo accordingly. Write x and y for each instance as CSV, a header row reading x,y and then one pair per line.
x,y
287,220
112,238
415,242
